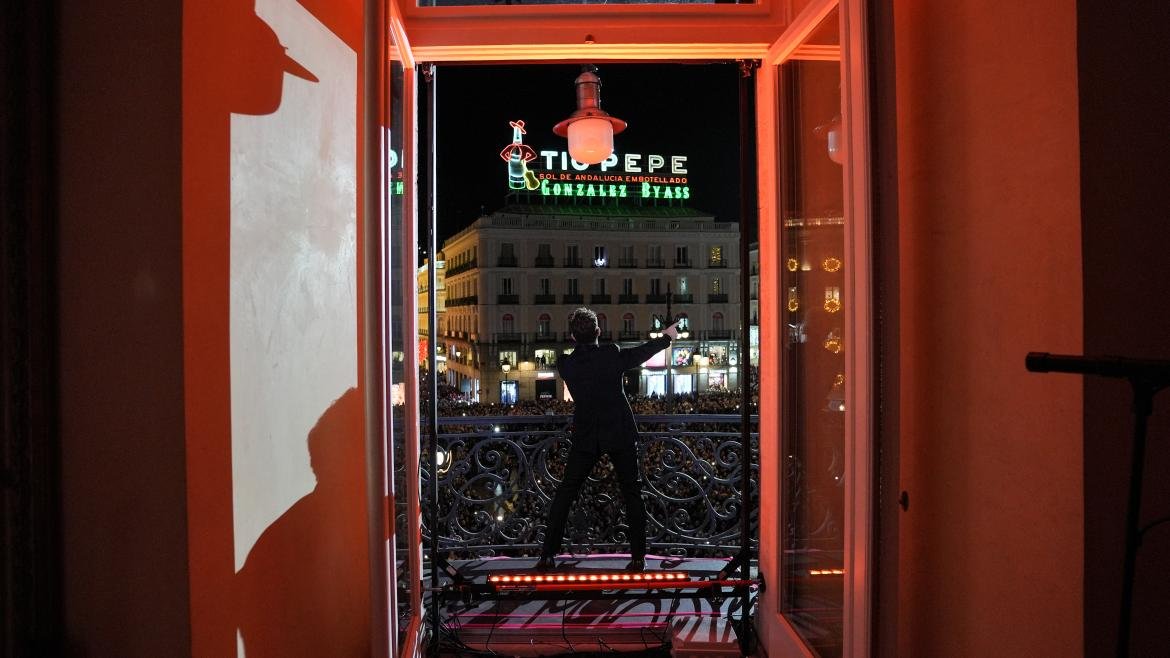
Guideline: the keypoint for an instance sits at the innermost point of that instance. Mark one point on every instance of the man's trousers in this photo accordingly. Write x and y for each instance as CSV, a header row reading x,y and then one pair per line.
x,y
582,457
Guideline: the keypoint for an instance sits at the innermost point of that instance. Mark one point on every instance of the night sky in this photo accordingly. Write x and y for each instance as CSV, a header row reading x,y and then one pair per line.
x,y
672,109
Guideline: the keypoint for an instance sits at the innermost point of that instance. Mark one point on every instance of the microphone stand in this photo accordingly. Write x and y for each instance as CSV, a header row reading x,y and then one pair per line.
x,y
1146,378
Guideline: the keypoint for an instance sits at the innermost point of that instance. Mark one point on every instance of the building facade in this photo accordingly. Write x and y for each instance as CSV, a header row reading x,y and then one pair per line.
x,y
513,278
422,279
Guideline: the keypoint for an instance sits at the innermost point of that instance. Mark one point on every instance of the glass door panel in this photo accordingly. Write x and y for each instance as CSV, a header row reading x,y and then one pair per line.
x,y
813,307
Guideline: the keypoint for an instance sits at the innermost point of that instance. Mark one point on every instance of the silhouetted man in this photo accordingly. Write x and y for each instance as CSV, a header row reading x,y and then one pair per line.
x,y
603,423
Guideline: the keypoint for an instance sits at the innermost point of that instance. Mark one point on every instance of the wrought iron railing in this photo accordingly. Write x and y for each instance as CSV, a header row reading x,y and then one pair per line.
x,y
498,474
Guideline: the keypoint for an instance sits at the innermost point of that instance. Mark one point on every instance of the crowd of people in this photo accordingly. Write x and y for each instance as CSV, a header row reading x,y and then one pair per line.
x,y
710,402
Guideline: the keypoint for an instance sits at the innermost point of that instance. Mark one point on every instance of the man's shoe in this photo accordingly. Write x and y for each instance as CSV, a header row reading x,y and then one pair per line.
x,y
636,564
545,563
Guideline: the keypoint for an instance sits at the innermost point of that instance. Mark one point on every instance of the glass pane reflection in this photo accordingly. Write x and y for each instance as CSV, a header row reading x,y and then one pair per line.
x,y
399,341
813,277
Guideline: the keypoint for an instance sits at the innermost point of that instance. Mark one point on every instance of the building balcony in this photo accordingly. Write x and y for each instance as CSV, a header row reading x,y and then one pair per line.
x,y
627,299
605,336
717,264
713,534
507,261
655,298
573,299
507,299
717,298
544,299
544,337
464,301
682,264
717,334
631,335
545,261
678,298
571,262
600,299
509,337
627,262
655,263
462,267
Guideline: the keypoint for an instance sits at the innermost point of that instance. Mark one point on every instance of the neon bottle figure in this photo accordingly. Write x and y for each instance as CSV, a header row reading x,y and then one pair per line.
x,y
518,155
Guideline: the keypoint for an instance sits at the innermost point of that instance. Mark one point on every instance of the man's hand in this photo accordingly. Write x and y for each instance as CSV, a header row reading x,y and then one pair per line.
x,y
672,331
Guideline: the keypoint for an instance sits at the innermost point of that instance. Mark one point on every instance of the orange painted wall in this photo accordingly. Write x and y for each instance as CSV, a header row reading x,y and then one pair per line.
x,y
990,268
271,158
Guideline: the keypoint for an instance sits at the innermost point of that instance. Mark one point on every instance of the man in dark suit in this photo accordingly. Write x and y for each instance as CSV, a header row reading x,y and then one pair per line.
x,y
603,423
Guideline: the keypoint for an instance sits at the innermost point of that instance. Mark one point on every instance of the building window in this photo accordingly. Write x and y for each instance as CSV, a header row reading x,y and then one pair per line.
x,y
654,255
682,286
546,286
681,256
717,321
599,257
627,259
716,256
508,357
545,358
571,287
572,256
601,321
716,286
544,325
507,250
627,286
506,285
599,285
655,286
544,250
628,322
508,323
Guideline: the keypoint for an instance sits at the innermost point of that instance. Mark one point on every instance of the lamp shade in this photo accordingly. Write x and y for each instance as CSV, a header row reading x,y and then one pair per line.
x,y
590,140
589,128
832,134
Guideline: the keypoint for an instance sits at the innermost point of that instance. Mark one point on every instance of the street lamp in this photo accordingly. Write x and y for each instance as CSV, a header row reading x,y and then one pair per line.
x,y
683,333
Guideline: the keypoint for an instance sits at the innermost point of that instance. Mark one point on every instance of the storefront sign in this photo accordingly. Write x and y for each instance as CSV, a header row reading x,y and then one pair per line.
x,y
620,176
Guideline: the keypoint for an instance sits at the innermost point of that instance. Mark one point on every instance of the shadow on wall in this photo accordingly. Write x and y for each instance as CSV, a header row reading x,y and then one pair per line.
x,y
253,62
303,590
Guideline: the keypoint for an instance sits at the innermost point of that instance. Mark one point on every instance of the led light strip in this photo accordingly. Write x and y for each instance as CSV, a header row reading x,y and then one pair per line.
x,y
608,578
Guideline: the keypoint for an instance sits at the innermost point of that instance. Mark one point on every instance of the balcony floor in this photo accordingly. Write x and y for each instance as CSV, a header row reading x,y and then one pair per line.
x,y
643,626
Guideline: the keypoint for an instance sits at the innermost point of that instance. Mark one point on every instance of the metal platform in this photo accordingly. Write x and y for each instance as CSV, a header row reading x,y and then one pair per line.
x,y
544,623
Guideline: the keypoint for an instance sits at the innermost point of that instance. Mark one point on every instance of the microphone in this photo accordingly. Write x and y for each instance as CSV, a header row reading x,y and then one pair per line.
x,y
1149,370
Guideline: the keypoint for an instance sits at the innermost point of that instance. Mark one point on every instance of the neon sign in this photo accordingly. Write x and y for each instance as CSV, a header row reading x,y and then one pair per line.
x,y
614,190
518,155
631,162
645,176
651,176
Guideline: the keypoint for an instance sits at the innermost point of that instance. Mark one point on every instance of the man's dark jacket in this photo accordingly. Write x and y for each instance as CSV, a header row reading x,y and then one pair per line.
x,y
593,374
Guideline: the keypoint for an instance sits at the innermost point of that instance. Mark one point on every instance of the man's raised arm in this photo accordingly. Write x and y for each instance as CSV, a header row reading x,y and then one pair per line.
x,y
636,356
